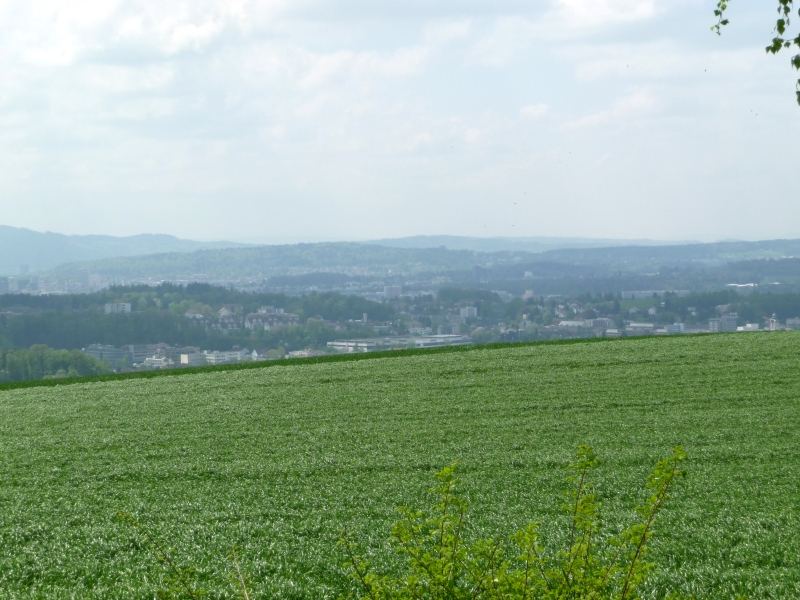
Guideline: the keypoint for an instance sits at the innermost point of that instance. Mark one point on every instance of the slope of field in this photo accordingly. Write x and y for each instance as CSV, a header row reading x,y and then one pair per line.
x,y
279,461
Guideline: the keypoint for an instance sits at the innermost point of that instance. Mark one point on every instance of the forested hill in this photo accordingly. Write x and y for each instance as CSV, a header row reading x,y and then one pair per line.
x,y
508,244
712,254
24,249
159,315
265,261
257,263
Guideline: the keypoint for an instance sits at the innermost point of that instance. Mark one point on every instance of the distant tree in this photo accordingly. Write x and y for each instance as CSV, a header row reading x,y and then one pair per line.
x,y
39,362
783,38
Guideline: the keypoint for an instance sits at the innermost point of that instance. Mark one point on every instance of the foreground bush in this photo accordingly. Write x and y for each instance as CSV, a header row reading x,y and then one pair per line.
x,y
440,564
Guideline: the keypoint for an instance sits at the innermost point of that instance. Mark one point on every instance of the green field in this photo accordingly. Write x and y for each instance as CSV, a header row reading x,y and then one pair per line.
x,y
277,461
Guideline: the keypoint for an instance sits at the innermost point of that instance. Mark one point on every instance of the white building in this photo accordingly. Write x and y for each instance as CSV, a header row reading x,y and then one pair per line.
x,y
157,362
468,312
117,308
268,318
600,323
396,343
640,328
391,292
436,341
215,357
572,324
302,353
354,345
192,359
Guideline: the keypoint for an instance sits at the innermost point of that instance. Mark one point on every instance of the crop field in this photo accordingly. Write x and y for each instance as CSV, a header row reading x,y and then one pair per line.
x,y
277,462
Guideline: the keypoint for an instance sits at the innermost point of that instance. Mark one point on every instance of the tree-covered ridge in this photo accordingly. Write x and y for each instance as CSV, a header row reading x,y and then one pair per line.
x,y
176,315
264,261
334,265
178,298
628,257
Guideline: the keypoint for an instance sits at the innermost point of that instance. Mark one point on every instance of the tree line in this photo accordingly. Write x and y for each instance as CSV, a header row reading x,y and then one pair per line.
x,y
41,362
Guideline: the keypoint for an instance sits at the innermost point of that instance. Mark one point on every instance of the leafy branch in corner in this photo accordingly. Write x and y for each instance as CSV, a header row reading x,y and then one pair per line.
x,y
783,38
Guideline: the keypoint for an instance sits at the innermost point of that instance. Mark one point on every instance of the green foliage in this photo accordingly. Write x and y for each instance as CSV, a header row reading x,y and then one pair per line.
x,y
441,564
783,39
41,362
77,320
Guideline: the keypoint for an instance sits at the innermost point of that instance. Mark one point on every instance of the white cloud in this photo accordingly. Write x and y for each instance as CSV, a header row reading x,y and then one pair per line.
x,y
144,109
55,33
123,79
534,111
420,141
599,13
445,32
561,23
658,60
269,105
322,68
507,39
472,135
635,103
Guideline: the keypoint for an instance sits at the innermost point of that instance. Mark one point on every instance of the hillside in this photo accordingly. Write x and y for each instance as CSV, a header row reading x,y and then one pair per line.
x,y
631,257
561,271
35,251
508,244
260,262
278,461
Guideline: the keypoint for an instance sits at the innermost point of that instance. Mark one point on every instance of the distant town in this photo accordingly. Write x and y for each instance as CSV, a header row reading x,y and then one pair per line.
x,y
172,326
215,307
460,323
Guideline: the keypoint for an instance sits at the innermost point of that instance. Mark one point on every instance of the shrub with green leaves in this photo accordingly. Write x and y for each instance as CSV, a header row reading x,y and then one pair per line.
x,y
440,563
782,39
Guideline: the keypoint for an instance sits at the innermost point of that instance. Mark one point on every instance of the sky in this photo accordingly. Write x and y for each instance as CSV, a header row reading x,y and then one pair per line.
x,y
280,121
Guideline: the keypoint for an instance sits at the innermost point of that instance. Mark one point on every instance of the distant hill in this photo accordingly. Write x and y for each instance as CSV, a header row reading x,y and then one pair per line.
x,y
508,244
710,254
295,259
24,249
257,263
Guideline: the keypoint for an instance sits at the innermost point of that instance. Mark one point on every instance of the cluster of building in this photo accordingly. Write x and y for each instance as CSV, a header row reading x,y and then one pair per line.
x,y
726,323
231,318
397,342
117,308
26,283
163,356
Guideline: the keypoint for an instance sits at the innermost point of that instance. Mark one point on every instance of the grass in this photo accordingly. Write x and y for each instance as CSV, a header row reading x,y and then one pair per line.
x,y
276,461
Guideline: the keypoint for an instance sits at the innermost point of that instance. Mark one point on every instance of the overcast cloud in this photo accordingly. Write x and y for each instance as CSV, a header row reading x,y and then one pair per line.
x,y
293,120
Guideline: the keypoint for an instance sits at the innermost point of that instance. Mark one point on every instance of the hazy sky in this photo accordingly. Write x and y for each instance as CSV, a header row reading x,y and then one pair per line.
x,y
289,120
